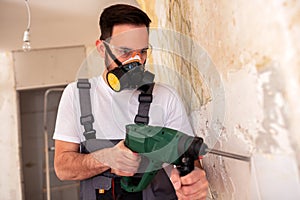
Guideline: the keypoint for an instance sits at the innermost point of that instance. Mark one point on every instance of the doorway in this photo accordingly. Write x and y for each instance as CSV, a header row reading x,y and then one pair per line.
x,y
34,155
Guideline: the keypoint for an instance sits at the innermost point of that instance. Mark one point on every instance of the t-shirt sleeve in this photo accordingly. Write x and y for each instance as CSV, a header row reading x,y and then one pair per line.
x,y
66,127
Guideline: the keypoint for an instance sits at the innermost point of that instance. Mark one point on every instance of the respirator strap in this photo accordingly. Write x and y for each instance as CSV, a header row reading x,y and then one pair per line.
x,y
145,100
86,118
112,56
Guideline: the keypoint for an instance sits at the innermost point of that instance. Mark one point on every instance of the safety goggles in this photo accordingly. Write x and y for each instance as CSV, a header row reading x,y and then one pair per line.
x,y
125,52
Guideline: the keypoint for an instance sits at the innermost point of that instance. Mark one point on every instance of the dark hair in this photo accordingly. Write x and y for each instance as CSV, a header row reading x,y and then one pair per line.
x,y
121,14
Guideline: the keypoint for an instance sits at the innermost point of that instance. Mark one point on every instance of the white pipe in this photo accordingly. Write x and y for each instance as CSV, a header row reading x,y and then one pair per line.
x,y
46,149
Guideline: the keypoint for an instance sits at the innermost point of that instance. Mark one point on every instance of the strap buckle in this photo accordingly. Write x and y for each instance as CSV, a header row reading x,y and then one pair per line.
x,y
90,134
141,119
84,84
145,98
87,119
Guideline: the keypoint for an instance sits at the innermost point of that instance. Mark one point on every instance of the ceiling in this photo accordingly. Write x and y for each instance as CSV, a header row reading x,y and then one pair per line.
x,y
54,23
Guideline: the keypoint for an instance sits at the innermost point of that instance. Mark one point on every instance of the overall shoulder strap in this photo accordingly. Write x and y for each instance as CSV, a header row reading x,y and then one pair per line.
x,y
145,99
87,118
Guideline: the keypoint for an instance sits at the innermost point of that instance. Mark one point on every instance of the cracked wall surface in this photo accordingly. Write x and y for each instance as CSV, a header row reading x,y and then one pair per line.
x,y
246,101
236,68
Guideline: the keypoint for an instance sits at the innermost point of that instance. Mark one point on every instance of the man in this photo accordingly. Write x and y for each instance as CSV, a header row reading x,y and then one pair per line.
x,y
124,39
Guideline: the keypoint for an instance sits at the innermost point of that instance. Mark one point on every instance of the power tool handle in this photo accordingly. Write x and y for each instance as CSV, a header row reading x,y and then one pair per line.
x,y
186,165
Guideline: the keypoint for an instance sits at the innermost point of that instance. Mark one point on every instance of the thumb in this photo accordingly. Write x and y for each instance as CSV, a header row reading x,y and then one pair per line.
x,y
175,179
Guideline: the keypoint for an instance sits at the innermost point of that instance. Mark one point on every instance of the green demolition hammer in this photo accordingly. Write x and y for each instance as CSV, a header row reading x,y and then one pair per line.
x,y
158,145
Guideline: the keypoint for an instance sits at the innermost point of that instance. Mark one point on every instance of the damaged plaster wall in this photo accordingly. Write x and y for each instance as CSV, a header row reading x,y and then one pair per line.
x,y
252,109
10,173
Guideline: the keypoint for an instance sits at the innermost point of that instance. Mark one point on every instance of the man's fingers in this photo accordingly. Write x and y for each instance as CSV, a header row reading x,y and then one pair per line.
x,y
119,157
121,173
193,177
193,186
197,189
125,166
196,196
127,153
175,179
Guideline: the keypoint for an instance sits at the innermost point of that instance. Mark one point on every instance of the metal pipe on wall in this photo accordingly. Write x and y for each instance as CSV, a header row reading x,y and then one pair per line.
x,y
46,147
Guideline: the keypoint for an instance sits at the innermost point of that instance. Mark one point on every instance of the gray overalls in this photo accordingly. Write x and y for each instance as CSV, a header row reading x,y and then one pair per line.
x,y
106,185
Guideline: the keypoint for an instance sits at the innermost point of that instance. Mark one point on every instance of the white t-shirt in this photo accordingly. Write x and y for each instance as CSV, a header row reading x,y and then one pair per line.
x,y
113,110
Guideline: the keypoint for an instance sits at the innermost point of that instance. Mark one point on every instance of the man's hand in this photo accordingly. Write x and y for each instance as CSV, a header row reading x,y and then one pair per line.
x,y
190,187
120,159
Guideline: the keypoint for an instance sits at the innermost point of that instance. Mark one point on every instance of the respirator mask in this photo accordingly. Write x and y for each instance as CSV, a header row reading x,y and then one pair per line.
x,y
130,74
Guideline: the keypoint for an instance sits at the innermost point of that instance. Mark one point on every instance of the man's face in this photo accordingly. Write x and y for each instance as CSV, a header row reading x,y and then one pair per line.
x,y
126,41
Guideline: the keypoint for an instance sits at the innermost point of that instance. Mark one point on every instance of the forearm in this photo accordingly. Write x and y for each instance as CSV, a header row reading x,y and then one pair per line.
x,y
76,166
72,165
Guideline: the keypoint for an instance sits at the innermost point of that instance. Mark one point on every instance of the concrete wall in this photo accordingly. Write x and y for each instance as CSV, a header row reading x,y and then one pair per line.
x,y
10,173
246,79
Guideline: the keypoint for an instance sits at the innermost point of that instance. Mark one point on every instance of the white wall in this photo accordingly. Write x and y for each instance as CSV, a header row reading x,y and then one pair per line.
x,y
10,173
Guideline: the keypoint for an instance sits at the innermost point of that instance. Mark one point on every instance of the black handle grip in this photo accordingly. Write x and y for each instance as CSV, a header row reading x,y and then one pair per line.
x,y
186,166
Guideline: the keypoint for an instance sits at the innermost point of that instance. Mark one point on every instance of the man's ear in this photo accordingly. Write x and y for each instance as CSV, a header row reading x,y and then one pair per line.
x,y
100,48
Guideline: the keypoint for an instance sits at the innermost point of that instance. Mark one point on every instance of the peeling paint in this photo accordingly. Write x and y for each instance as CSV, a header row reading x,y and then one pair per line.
x,y
256,55
221,181
274,128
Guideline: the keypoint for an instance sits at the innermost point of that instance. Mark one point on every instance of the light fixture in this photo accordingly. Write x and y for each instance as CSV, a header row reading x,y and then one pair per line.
x,y
26,41
26,36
